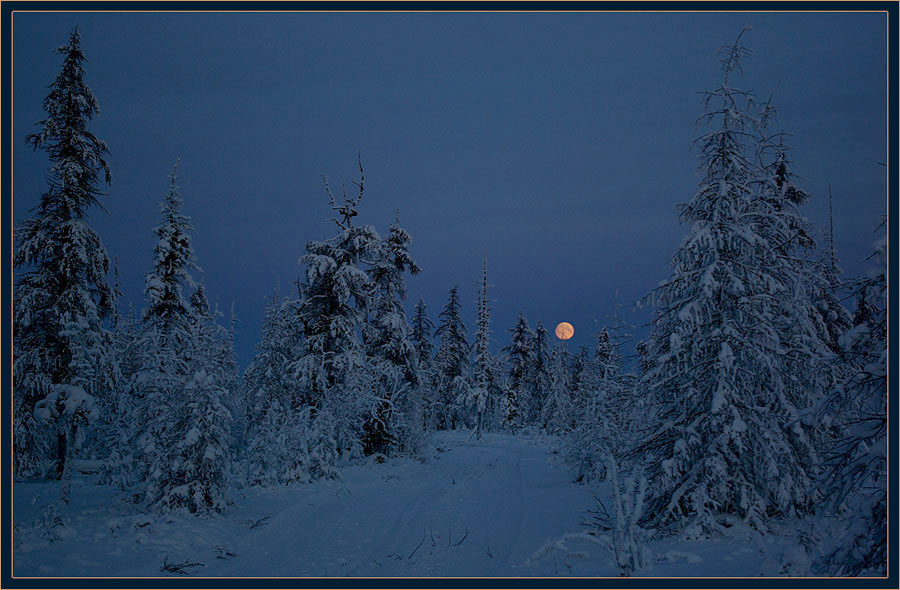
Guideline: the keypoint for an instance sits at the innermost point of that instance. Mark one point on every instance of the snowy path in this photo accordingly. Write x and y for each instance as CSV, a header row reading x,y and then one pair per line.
x,y
474,509
478,508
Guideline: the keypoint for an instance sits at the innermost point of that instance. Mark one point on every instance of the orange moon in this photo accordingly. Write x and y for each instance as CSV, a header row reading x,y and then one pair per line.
x,y
564,331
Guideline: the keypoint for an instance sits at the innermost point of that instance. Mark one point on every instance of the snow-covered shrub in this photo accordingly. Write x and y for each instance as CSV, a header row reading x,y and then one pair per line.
x,y
323,446
278,451
195,471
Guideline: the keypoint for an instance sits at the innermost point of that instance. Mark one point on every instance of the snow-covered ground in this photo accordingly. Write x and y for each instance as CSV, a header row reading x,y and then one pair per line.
x,y
500,506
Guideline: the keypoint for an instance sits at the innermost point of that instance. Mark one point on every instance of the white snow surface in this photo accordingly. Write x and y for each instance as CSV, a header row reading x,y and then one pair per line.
x,y
499,506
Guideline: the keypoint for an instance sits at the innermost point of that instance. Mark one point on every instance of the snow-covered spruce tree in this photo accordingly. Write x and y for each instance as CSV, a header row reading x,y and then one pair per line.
x,y
199,459
855,480
451,362
815,319
558,412
836,318
585,442
520,361
264,379
333,308
539,375
63,354
396,423
323,444
623,410
227,363
118,467
727,443
97,441
605,413
580,396
197,455
167,350
485,391
422,330
602,414
277,448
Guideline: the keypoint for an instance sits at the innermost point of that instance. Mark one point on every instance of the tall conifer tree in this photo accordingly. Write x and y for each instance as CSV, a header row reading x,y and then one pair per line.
x,y
63,355
727,440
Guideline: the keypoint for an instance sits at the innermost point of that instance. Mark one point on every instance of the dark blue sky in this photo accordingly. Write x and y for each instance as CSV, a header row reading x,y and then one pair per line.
x,y
559,143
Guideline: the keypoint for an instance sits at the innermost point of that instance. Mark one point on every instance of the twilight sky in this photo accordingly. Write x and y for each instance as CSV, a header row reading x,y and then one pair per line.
x,y
558,143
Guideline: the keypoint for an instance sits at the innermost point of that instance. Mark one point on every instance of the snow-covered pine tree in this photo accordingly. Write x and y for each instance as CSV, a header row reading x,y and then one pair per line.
x,y
396,423
621,408
855,480
539,375
333,308
832,320
118,466
451,362
814,319
197,454
520,361
323,445
603,354
63,354
198,473
557,411
604,413
836,319
227,362
98,441
277,448
167,349
727,443
580,396
266,408
485,391
422,330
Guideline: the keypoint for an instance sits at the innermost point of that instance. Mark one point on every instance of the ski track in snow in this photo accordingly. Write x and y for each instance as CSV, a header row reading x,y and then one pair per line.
x,y
471,508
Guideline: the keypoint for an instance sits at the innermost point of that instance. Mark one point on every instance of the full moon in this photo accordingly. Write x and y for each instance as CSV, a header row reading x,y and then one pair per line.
x,y
564,331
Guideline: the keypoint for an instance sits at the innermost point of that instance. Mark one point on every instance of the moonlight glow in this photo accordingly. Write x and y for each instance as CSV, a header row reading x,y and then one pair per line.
x,y
564,331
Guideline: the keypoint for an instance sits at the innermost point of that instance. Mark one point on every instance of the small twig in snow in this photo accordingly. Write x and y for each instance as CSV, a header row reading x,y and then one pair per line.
x,y
417,546
178,568
460,542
